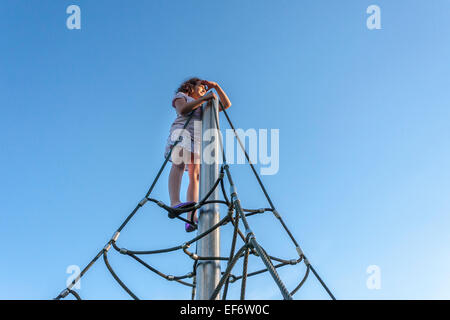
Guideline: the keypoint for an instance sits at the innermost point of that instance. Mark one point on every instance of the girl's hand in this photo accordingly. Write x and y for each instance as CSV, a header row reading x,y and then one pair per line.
x,y
209,96
209,84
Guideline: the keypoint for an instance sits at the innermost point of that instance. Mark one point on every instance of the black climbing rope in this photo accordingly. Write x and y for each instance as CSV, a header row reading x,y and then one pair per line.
x,y
250,246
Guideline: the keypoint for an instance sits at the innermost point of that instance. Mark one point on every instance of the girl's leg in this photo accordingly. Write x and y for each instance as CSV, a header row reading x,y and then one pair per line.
x,y
175,177
194,179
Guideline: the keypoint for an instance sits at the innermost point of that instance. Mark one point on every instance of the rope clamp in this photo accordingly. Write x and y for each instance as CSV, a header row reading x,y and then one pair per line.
x,y
233,191
232,278
115,236
299,251
64,293
186,245
276,214
107,247
143,201
123,251
249,236
161,204
306,261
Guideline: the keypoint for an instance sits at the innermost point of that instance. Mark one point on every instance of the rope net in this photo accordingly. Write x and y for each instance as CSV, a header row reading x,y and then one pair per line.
x,y
235,214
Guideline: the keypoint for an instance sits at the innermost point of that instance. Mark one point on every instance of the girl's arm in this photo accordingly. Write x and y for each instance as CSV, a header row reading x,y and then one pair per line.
x,y
184,107
222,95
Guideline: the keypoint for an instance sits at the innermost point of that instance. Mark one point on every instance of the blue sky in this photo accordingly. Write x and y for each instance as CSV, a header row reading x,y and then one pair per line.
x,y
364,140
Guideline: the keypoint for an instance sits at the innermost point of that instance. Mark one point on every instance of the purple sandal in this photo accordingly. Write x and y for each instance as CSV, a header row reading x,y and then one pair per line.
x,y
191,227
173,215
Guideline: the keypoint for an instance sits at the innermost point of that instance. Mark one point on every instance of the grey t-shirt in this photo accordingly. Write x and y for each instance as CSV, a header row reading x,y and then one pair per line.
x,y
193,128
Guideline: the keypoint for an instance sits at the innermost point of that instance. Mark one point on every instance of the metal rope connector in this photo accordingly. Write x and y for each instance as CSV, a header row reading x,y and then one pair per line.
x,y
302,256
160,203
232,278
299,251
107,247
64,293
170,278
233,192
249,236
194,256
115,236
143,201
190,254
185,245
276,214
123,251
306,261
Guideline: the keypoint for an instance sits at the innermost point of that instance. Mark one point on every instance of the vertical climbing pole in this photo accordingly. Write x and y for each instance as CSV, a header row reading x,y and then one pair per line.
x,y
208,271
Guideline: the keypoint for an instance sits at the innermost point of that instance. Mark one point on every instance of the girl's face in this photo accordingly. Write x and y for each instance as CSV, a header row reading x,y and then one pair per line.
x,y
199,90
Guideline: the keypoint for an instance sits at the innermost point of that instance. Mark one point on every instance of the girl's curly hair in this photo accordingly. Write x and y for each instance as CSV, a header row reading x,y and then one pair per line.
x,y
188,85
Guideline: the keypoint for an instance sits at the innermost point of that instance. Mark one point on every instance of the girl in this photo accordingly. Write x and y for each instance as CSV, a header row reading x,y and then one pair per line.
x,y
186,155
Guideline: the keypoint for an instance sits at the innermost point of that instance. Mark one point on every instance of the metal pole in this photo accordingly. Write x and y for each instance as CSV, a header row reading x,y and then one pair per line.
x,y
208,271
